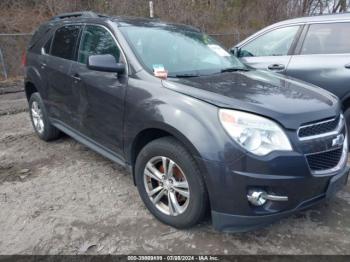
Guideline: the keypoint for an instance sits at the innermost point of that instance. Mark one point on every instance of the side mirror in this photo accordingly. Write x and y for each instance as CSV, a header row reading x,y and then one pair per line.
x,y
235,51
105,63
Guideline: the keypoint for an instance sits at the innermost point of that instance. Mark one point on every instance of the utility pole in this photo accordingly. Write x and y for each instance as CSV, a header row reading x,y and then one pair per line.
x,y
151,11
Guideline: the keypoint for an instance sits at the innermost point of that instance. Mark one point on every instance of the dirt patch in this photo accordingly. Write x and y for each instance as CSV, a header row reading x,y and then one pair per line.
x,y
11,86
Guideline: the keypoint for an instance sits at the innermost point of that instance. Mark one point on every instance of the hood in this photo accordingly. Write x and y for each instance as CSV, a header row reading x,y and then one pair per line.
x,y
286,100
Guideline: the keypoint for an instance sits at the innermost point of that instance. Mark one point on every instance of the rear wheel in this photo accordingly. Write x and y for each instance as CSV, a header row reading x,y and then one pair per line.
x,y
170,183
40,120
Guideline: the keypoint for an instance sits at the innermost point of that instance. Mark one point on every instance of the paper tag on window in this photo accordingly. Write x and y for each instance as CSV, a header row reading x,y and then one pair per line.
x,y
219,50
159,71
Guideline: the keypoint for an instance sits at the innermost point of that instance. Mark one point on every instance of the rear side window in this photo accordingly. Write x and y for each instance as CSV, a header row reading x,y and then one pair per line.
x,y
96,40
327,39
65,41
274,43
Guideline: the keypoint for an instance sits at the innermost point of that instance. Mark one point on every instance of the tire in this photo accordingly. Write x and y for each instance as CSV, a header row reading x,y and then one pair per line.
x,y
45,130
190,210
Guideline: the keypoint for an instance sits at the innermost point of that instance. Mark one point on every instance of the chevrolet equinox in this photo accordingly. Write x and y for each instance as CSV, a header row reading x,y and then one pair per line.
x,y
198,130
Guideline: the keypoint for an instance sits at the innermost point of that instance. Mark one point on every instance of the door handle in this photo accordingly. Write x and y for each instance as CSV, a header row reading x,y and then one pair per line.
x,y
347,66
276,67
43,65
76,77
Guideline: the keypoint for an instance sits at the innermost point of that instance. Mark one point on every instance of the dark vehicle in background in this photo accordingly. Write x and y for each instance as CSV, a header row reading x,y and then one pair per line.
x,y
314,49
197,129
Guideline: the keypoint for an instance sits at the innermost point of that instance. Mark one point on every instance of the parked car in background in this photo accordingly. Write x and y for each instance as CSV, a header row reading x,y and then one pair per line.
x,y
196,128
315,49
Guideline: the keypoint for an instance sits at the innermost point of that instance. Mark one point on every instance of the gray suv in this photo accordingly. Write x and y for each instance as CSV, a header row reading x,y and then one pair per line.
x,y
198,130
314,49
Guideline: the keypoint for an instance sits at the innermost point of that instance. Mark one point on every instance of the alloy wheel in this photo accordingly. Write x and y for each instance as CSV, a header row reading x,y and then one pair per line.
x,y
37,117
166,186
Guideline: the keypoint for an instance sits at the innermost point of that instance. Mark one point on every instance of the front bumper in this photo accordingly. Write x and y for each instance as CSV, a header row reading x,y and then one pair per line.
x,y
241,223
236,179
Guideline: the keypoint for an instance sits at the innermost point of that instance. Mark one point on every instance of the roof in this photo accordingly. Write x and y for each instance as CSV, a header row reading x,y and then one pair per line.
x,y
151,22
318,18
119,20
300,20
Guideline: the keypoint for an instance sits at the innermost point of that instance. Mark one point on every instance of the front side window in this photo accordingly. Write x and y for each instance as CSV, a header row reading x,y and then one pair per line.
x,y
97,41
274,43
178,51
65,42
327,39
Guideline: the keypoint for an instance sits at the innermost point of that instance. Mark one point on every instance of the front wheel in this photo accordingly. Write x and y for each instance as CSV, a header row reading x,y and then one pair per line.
x,y
170,183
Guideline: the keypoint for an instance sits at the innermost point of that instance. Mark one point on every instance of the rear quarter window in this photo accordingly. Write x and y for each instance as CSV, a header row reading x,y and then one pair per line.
x,y
39,38
47,46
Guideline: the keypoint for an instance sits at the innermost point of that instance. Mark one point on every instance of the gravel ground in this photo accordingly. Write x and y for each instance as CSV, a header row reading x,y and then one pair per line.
x,y
62,198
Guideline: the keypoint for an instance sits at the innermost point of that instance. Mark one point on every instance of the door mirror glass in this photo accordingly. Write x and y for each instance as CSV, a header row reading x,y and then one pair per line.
x,y
105,63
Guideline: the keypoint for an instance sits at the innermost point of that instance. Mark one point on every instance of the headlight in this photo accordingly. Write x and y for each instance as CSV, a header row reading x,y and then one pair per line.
x,y
256,134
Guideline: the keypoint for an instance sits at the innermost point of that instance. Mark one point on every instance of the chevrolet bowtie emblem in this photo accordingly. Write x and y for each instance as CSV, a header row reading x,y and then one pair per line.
x,y
338,141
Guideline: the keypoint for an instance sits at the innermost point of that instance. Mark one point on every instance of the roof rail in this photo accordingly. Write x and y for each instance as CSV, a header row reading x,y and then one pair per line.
x,y
75,14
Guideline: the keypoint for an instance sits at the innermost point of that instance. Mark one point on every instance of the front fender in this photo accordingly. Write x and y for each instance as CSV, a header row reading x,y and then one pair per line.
x,y
193,122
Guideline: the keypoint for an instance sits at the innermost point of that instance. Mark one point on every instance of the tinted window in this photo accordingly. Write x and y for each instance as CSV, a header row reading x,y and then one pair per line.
x,y
274,43
65,42
47,46
97,41
327,39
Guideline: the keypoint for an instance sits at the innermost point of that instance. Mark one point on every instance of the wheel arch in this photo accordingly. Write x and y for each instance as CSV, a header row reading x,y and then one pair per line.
x,y
33,82
29,89
150,134
345,102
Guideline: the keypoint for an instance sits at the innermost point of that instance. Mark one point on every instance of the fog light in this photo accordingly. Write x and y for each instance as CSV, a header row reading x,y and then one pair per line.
x,y
259,197
256,198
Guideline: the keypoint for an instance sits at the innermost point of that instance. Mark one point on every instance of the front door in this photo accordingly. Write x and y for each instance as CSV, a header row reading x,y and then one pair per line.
x,y
270,51
101,106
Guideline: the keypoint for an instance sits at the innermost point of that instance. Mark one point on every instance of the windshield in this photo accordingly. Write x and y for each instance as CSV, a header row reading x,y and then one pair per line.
x,y
180,52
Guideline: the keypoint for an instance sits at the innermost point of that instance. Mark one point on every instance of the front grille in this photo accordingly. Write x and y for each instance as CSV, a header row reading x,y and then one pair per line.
x,y
318,128
325,160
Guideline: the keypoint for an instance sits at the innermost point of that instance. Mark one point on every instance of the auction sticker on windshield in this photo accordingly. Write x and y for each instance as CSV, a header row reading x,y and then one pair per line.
x,y
159,71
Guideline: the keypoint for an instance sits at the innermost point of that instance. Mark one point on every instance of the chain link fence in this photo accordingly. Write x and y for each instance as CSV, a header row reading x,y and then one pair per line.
x,y
12,47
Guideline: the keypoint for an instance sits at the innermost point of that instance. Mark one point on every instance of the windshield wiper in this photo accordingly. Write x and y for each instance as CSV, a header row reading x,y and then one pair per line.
x,y
184,75
233,69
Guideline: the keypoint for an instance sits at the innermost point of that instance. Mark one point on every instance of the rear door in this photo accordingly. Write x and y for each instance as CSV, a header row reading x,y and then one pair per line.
x,y
62,100
323,57
271,50
42,54
102,94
